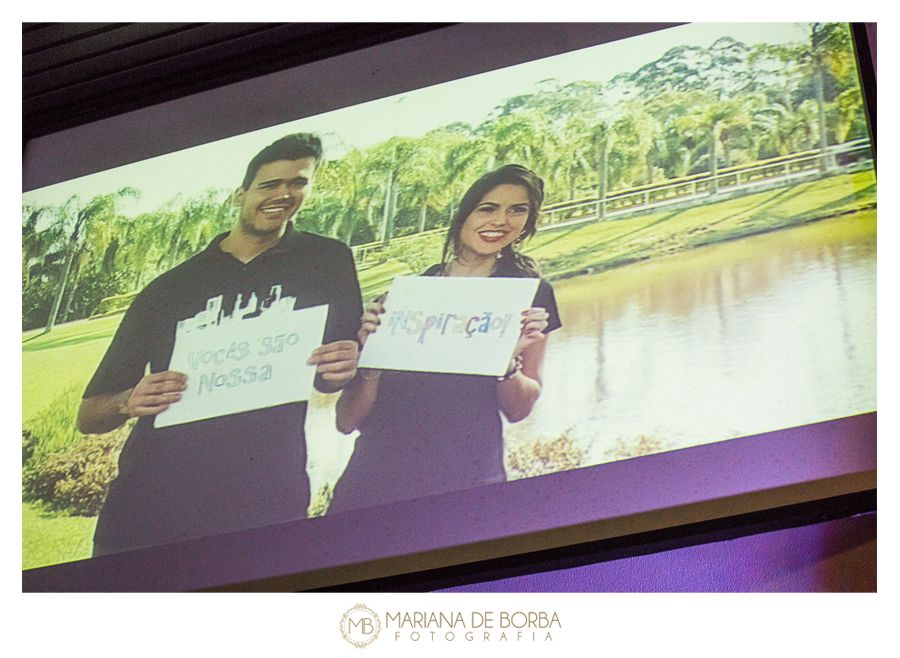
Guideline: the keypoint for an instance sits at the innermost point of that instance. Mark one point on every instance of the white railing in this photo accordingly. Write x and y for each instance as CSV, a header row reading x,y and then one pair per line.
x,y
623,203
703,185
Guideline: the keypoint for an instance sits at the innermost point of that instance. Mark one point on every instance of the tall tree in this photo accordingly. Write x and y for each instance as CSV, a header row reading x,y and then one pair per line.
x,y
38,245
826,52
91,231
197,220
392,159
465,161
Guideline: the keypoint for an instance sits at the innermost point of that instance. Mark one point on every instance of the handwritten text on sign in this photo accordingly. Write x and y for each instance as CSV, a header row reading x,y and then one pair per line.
x,y
466,325
236,363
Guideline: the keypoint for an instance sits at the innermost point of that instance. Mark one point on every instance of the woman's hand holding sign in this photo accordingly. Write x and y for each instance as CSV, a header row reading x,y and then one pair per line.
x,y
520,389
534,321
335,364
371,318
353,408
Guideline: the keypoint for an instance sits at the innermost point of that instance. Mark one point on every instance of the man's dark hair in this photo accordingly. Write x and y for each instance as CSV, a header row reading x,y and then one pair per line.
x,y
290,147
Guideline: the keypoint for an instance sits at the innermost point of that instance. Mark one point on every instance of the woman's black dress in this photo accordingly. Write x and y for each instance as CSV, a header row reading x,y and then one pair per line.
x,y
428,433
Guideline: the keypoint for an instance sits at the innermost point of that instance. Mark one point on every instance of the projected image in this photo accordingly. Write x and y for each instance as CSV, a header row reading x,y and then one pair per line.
x,y
695,209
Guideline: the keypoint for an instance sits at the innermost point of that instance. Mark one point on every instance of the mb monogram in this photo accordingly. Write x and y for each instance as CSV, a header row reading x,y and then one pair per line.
x,y
360,626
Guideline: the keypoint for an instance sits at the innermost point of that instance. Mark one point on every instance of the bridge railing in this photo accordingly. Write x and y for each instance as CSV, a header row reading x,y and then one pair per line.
x,y
673,190
701,185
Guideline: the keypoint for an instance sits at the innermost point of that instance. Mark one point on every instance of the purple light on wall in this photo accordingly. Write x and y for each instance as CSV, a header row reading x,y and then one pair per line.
x,y
836,556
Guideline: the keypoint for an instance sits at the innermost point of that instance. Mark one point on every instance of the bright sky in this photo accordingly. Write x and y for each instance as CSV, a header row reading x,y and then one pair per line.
x,y
222,163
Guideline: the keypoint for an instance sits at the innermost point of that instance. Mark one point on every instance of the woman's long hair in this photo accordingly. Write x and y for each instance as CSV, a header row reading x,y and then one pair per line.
x,y
511,174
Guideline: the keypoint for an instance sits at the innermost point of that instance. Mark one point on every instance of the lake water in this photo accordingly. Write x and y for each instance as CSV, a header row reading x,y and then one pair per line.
x,y
760,334
763,333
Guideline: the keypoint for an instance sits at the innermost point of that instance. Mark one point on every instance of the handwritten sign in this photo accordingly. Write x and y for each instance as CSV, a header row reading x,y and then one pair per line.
x,y
240,363
466,325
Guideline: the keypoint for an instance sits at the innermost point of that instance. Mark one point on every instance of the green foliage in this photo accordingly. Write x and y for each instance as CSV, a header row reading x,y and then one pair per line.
x,y
94,284
540,458
320,502
689,111
417,254
53,429
75,480
60,466
37,298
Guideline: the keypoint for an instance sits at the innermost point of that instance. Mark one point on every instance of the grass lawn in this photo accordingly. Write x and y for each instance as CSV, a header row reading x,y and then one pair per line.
x,y
49,538
65,357
599,246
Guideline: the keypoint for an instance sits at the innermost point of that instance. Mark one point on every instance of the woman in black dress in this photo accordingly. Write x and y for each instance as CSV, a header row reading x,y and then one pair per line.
x,y
425,433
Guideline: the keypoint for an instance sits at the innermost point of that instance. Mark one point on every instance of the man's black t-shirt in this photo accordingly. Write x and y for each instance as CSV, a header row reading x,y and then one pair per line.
x,y
232,472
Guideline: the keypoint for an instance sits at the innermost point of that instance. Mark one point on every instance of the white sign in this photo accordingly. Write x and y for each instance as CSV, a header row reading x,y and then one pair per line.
x,y
236,363
466,325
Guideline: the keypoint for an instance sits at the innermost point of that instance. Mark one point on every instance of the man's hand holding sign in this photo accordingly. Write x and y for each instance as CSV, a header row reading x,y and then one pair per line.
x,y
239,364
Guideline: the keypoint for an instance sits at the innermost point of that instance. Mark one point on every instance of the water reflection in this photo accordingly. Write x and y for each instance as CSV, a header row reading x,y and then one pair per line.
x,y
760,334
751,336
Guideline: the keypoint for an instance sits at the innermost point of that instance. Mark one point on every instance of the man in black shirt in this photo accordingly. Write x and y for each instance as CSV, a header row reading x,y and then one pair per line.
x,y
247,469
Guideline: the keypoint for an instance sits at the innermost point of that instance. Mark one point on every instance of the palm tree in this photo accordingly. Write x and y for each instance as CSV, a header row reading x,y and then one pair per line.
x,y
519,138
785,130
37,246
195,222
633,134
426,175
826,52
140,244
392,159
466,160
92,232
341,184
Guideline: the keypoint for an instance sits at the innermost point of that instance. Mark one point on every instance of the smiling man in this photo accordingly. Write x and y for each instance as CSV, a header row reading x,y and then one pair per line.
x,y
237,471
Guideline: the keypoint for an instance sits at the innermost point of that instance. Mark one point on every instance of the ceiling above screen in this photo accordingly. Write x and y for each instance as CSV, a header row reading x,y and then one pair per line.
x,y
76,73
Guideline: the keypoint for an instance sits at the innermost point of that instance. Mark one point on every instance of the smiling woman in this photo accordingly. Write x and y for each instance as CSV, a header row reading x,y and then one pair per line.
x,y
498,212
495,223
423,433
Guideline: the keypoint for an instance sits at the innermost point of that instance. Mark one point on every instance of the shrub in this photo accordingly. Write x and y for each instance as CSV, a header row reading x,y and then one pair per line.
x,y
37,299
53,429
417,254
63,468
29,443
76,480
540,458
636,447
320,502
